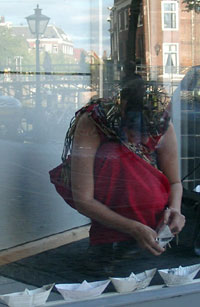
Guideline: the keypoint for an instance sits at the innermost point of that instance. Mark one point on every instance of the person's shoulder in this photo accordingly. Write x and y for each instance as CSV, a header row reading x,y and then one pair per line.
x,y
85,120
85,126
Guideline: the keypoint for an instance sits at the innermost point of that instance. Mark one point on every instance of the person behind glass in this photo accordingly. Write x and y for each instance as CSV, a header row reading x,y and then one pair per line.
x,y
124,168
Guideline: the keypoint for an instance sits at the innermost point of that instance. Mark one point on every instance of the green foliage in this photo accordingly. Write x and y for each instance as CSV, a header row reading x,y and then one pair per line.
x,y
62,59
192,5
12,46
59,62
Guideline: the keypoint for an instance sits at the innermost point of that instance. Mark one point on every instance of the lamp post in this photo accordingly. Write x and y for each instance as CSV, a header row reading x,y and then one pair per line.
x,y
37,25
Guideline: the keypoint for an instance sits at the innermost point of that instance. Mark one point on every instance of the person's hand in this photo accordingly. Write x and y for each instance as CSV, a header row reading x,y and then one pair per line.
x,y
146,238
174,219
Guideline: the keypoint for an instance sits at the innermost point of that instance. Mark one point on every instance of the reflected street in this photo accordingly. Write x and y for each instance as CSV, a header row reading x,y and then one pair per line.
x,y
29,206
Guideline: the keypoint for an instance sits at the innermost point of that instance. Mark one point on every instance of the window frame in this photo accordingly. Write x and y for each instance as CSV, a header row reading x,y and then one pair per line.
x,y
121,20
176,12
177,58
126,19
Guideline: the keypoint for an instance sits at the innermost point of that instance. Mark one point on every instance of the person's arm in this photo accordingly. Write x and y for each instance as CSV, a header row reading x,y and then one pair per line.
x,y
85,144
168,164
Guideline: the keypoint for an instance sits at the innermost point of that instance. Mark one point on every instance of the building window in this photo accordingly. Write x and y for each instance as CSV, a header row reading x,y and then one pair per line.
x,y
170,15
121,21
126,18
140,20
64,49
55,48
170,58
121,51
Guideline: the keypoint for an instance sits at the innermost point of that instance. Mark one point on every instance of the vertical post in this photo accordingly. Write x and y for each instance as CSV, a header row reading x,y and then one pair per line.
x,y
176,118
100,48
149,68
37,45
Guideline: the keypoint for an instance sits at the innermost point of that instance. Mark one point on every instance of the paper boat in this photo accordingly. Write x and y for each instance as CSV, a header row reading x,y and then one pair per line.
x,y
82,290
164,235
145,278
125,285
133,282
28,298
180,275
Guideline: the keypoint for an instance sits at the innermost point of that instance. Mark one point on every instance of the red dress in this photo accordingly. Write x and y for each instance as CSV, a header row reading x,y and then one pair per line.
x,y
125,183
129,186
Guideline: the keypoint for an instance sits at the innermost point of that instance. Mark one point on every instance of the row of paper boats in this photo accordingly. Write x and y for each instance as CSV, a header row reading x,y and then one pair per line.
x,y
84,290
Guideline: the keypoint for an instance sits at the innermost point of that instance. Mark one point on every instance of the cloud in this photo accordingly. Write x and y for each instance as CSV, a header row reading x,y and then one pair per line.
x,y
81,19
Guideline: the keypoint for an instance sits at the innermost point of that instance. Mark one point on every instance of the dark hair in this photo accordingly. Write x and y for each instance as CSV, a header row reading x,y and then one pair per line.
x,y
135,120
145,110
133,92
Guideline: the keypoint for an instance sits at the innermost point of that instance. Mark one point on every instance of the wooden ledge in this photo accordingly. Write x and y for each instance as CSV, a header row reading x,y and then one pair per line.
x,y
35,247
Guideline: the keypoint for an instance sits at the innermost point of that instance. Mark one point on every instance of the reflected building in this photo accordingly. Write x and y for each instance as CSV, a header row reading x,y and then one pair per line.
x,y
167,38
53,41
167,45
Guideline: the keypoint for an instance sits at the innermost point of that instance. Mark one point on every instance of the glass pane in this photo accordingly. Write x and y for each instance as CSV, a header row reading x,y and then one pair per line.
x,y
170,20
168,7
89,155
173,47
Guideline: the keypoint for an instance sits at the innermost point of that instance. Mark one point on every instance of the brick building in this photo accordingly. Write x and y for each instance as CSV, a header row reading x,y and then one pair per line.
x,y
167,46
167,40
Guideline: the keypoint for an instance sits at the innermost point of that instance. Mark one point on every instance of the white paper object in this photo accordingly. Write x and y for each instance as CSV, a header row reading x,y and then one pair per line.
x,y
28,298
164,235
133,282
82,290
145,278
125,285
197,189
180,275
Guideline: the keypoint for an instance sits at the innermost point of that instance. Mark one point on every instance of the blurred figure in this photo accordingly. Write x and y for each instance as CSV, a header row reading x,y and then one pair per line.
x,y
47,64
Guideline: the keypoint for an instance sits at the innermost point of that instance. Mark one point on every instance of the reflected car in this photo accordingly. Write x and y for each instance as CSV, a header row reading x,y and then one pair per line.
x,y
10,116
190,89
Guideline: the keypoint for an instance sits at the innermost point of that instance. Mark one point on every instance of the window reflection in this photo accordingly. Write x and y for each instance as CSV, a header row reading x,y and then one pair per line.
x,y
170,15
95,51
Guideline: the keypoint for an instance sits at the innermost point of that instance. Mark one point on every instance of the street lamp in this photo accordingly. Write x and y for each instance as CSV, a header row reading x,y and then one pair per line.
x,y
37,25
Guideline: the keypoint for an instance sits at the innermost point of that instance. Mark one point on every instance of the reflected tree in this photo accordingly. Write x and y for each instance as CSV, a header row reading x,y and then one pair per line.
x,y
133,22
192,5
12,46
130,64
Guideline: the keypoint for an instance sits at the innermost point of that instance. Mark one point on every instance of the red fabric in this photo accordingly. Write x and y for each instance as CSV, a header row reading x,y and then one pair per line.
x,y
130,186
61,188
125,183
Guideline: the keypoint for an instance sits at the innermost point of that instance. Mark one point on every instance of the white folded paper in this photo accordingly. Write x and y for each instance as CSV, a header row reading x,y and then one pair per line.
x,y
164,235
180,275
28,298
82,290
133,282
145,278
126,284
